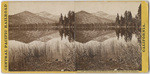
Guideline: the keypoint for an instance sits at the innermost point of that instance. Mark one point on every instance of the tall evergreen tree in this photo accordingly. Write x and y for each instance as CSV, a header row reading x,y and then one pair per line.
x,y
65,20
61,19
138,17
126,16
69,17
73,15
139,13
129,16
121,20
117,19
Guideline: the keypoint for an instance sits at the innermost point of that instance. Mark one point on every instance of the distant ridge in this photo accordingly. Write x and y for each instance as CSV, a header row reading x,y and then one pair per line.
x,y
48,15
105,15
27,17
83,17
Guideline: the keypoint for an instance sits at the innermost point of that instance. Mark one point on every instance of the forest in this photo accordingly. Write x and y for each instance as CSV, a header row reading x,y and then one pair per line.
x,y
128,20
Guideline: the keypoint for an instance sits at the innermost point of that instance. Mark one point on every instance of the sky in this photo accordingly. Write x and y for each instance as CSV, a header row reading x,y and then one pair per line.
x,y
57,7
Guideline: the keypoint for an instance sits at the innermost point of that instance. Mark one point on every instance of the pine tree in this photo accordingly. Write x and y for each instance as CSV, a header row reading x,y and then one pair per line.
x,y
121,20
73,15
126,16
69,17
139,13
129,16
138,17
61,19
65,20
117,19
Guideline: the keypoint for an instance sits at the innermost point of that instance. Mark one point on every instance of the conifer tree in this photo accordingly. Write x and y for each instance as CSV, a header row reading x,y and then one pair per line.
x,y
129,16
126,16
61,19
139,13
121,21
117,19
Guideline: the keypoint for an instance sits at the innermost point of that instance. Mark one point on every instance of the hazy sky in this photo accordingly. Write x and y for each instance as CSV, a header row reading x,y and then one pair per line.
x,y
63,7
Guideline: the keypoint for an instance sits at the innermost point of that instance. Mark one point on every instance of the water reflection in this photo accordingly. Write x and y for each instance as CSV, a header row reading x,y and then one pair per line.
x,y
79,34
64,32
125,33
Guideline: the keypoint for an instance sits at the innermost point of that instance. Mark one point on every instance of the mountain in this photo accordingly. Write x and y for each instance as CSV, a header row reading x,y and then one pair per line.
x,y
105,15
27,17
83,17
48,15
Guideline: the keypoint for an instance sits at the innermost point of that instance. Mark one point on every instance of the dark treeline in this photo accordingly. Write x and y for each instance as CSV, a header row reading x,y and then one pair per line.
x,y
95,25
68,20
128,20
36,26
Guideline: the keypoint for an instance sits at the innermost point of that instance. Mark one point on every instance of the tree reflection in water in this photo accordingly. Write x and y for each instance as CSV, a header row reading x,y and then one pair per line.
x,y
120,32
67,32
128,32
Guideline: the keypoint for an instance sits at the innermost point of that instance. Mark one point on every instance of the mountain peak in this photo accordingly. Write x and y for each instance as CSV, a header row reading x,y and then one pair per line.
x,y
44,12
101,12
82,11
48,15
27,17
104,15
24,13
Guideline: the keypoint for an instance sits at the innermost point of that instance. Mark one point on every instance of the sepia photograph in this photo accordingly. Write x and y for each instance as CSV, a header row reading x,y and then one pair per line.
x,y
74,36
